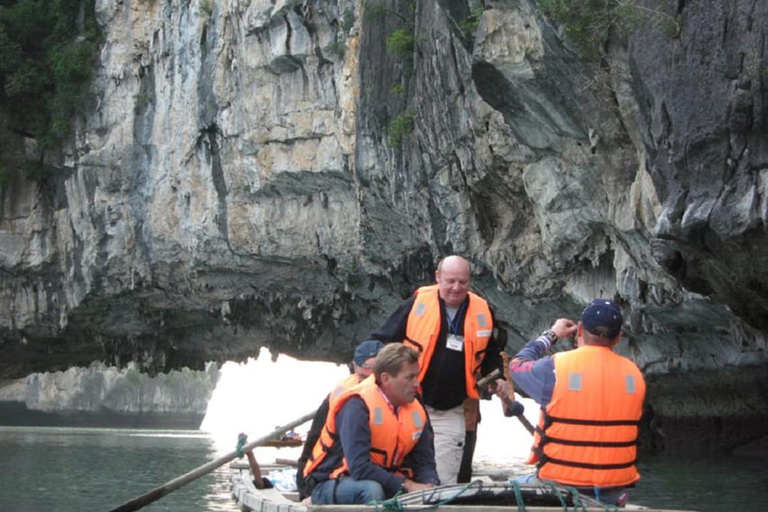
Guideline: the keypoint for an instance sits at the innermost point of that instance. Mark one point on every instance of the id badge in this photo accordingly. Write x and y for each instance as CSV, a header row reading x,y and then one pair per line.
x,y
455,342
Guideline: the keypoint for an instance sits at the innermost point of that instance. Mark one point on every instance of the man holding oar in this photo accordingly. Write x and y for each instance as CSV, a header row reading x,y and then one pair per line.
x,y
453,331
591,403
377,439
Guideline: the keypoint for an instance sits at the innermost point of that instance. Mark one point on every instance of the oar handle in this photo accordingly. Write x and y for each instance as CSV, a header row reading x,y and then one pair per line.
x,y
169,487
491,377
512,407
516,409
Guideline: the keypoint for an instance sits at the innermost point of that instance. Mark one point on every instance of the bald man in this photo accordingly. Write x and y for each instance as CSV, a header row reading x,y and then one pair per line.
x,y
452,329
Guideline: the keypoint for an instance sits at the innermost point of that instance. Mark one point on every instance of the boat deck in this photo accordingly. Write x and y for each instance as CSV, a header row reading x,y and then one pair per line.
x,y
482,495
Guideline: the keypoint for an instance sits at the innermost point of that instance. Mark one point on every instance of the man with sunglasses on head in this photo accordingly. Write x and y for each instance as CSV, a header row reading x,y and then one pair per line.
x,y
361,367
376,440
591,402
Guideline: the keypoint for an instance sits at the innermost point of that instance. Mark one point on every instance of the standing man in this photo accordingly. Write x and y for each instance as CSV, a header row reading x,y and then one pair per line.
x,y
377,439
362,367
591,403
452,330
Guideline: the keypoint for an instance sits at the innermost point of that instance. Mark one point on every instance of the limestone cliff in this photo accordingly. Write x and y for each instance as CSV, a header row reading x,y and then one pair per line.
x,y
268,173
110,396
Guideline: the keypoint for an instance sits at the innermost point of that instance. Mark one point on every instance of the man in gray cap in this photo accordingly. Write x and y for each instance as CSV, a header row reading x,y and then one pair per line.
x,y
591,403
360,368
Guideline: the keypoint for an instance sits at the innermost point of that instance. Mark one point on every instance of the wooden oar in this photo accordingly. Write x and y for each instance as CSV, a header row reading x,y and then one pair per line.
x,y
169,487
511,407
488,379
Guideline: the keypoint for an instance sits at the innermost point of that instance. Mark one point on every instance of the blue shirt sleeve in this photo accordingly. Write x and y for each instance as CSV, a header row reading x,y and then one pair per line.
x,y
355,435
533,372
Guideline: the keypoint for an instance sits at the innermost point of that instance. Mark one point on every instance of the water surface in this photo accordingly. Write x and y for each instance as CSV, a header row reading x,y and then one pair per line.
x,y
45,469
48,469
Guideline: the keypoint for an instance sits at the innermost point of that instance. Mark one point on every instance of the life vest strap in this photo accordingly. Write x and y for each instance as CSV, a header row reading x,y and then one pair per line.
x,y
545,459
383,453
596,444
416,345
549,420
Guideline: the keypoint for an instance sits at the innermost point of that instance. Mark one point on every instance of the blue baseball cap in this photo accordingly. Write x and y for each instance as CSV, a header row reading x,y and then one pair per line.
x,y
603,318
366,350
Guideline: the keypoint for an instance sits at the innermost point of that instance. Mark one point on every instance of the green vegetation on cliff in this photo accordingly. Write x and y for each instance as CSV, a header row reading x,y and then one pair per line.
x,y
46,57
589,24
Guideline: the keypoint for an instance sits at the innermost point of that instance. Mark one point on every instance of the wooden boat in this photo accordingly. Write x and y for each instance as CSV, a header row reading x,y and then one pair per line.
x,y
482,495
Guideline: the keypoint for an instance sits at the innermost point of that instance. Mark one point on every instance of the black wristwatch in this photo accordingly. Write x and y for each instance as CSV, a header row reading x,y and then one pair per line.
x,y
551,336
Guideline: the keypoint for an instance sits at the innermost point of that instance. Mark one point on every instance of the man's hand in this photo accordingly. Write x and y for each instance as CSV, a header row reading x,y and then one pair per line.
x,y
411,486
564,328
498,388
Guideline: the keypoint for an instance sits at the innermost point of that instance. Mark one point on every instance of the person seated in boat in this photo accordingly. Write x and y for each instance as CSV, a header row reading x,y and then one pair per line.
x,y
591,403
361,367
377,440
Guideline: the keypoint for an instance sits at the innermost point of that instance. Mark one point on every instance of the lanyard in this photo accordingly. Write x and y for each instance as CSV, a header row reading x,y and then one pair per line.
x,y
453,325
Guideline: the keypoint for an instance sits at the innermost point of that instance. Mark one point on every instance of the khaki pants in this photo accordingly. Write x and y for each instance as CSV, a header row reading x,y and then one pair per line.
x,y
449,427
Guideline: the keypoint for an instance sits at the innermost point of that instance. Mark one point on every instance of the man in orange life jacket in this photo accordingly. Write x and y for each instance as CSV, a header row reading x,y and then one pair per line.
x,y
452,330
361,367
591,403
377,439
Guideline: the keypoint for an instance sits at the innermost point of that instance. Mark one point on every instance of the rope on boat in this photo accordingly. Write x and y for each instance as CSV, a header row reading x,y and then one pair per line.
x,y
577,498
519,496
395,504
241,440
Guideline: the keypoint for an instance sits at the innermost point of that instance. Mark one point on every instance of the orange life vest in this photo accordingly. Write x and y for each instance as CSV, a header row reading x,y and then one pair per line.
x,y
587,434
423,328
393,436
348,383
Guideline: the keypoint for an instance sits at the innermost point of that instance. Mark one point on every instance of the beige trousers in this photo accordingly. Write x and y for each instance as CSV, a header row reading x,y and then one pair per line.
x,y
449,427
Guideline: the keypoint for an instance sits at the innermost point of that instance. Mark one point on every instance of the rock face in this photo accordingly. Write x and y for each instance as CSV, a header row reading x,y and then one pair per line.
x,y
268,173
109,396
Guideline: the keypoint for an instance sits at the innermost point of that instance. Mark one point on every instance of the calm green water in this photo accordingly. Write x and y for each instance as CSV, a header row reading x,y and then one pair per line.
x,y
723,484
75,470
45,469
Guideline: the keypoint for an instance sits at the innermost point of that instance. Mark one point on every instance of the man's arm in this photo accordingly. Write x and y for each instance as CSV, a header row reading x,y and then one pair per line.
x,y
312,436
497,343
422,458
492,359
393,328
355,433
532,372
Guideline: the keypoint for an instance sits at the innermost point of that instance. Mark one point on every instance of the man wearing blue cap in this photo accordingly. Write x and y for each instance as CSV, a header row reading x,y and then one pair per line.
x,y
591,403
360,367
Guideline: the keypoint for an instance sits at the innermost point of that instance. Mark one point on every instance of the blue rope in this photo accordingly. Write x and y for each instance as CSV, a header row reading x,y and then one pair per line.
x,y
394,502
241,440
553,488
519,496
577,502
